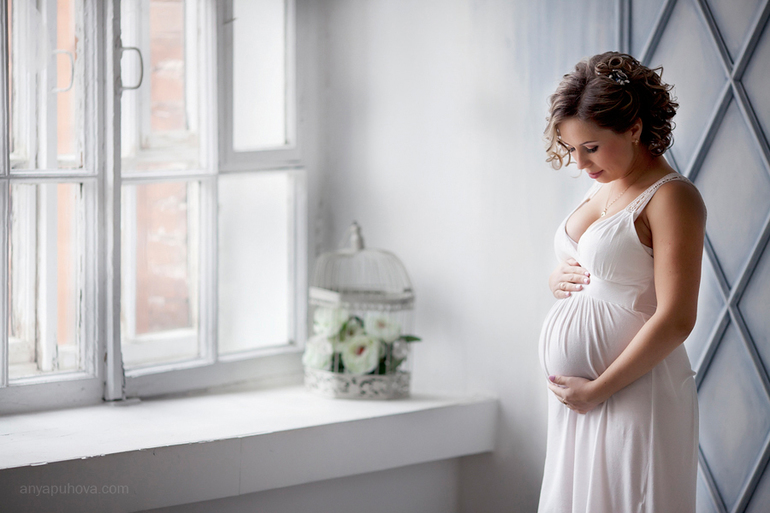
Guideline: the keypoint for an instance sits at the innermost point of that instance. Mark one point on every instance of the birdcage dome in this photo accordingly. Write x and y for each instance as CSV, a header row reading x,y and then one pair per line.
x,y
359,278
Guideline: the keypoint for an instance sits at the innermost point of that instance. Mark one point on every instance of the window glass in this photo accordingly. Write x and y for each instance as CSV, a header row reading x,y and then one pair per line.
x,y
254,256
46,269
159,125
160,275
46,84
259,74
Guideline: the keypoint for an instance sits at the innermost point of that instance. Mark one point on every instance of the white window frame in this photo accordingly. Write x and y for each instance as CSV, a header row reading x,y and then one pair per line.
x,y
103,376
264,364
40,167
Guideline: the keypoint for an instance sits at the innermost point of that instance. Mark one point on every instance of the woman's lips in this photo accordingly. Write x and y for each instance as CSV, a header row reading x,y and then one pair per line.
x,y
595,175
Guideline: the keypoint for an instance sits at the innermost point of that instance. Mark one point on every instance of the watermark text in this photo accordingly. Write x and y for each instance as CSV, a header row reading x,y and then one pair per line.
x,y
73,489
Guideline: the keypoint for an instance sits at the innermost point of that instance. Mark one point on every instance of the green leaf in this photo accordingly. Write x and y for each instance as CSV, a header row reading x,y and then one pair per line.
x,y
409,338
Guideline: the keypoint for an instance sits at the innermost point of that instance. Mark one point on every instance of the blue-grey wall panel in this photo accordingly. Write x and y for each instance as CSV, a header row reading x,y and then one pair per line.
x,y
760,501
734,19
734,416
736,189
731,171
756,80
691,62
704,502
755,308
643,16
710,304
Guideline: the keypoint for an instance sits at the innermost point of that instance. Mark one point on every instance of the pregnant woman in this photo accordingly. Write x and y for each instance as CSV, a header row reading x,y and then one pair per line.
x,y
622,413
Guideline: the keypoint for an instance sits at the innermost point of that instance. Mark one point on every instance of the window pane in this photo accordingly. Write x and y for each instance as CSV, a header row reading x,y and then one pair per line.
x,y
259,74
46,84
46,278
160,272
159,125
254,259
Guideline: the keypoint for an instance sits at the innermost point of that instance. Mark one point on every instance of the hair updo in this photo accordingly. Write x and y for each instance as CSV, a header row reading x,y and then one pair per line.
x,y
612,90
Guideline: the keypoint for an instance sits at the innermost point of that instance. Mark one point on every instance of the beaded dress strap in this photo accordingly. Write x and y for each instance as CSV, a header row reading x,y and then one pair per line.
x,y
641,201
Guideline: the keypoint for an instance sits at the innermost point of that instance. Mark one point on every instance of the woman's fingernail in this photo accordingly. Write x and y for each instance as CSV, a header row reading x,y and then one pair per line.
x,y
551,378
586,280
588,274
567,294
579,287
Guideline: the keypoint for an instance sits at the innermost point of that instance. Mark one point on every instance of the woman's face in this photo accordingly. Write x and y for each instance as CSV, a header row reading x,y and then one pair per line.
x,y
604,154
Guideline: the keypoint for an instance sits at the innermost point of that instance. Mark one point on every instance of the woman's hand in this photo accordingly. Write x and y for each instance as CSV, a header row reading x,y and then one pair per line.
x,y
575,393
567,278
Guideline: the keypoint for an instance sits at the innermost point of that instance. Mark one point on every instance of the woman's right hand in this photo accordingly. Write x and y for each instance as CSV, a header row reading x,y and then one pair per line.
x,y
567,278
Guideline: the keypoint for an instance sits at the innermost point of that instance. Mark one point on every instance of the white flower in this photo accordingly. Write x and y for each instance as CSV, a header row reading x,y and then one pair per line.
x,y
361,355
318,353
352,329
382,327
328,321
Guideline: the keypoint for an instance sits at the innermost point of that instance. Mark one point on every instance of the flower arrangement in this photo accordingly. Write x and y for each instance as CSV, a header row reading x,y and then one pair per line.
x,y
347,343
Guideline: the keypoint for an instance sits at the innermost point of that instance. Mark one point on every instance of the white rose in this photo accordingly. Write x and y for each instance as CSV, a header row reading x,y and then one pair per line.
x,y
328,321
318,353
361,355
352,329
382,327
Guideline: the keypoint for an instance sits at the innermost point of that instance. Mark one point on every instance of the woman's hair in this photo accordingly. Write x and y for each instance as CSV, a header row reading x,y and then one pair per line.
x,y
612,90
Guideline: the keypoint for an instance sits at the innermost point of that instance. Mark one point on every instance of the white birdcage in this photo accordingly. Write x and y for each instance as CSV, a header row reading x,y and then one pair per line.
x,y
362,301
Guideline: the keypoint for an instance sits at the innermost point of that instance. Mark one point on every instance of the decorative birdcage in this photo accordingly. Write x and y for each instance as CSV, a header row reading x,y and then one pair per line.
x,y
361,300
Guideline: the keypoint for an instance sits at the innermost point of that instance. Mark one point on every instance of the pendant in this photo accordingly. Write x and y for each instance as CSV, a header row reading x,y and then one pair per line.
x,y
603,213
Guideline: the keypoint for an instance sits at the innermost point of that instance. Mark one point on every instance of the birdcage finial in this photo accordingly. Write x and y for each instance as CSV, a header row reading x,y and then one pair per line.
x,y
356,239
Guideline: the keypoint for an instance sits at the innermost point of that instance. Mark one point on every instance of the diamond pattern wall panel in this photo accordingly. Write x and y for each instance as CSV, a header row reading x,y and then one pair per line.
x,y
734,416
736,189
691,62
755,308
710,304
643,15
760,501
733,19
756,79
704,502
731,171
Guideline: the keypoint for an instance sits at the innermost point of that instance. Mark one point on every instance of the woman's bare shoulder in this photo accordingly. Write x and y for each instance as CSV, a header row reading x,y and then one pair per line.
x,y
677,201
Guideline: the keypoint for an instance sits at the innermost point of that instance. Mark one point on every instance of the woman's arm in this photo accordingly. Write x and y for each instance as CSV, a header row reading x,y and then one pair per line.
x,y
677,219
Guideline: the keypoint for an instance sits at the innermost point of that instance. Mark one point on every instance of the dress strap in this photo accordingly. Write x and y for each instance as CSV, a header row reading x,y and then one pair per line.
x,y
641,201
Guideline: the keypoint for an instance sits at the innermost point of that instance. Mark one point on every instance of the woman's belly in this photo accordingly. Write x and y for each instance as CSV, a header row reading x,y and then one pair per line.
x,y
583,335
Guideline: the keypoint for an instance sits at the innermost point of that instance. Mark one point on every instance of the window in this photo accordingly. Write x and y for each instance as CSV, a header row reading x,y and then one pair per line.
x,y
179,262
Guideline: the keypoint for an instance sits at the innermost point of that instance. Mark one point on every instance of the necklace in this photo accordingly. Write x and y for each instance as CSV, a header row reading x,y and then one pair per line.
x,y
608,205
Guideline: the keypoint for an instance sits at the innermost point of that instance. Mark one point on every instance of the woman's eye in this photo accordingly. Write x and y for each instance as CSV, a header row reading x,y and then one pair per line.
x,y
592,150
571,150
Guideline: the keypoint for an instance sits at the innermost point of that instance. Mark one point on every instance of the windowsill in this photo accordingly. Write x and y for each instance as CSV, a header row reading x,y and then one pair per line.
x,y
189,449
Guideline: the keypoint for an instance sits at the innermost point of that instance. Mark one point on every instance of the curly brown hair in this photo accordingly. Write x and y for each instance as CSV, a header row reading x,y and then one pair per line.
x,y
612,90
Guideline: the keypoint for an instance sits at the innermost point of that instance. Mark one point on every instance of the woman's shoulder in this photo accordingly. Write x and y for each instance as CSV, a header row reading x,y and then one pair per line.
x,y
674,199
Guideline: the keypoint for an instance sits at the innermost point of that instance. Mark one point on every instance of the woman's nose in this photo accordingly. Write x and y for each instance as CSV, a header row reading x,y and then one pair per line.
x,y
580,160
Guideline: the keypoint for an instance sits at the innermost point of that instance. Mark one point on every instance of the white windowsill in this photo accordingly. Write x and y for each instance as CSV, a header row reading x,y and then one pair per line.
x,y
190,449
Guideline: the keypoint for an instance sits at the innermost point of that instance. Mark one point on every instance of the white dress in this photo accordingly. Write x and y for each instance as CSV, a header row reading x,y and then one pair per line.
x,y
638,451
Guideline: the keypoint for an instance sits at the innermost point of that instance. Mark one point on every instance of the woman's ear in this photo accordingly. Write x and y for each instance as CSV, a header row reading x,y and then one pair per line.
x,y
636,130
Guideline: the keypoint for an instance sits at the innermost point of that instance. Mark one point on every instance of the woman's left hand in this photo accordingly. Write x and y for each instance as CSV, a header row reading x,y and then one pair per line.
x,y
575,393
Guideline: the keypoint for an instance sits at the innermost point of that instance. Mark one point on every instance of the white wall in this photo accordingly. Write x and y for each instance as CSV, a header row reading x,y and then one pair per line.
x,y
431,122
423,121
